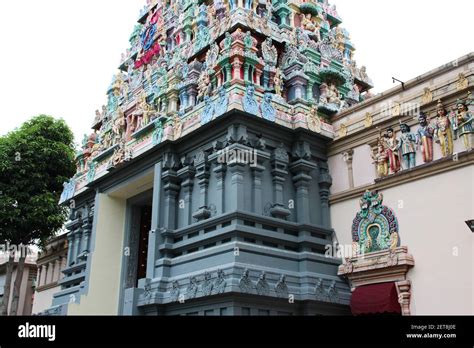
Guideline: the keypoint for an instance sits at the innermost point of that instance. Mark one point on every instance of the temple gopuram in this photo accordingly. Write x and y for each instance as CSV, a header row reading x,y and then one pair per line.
x,y
223,174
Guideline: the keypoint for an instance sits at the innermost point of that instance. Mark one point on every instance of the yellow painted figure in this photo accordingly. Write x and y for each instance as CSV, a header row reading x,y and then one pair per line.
x,y
464,123
443,132
381,160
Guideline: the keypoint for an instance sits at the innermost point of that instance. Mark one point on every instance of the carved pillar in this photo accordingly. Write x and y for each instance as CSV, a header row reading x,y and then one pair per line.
x,y
70,250
154,237
301,178
38,277
202,174
171,189
43,275
186,175
236,68
87,231
57,270
192,95
347,157
404,296
309,91
246,72
259,76
236,191
173,101
325,183
279,163
78,243
228,70
220,171
257,173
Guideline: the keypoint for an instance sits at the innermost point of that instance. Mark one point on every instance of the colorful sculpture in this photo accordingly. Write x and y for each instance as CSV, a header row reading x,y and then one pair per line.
x,y
464,123
248,102
381,160
443,132
424,137
390,142
407,146
375,226
268,111
188,62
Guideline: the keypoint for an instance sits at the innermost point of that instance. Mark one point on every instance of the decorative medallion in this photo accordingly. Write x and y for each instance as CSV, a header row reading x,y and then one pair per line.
x,y
375,226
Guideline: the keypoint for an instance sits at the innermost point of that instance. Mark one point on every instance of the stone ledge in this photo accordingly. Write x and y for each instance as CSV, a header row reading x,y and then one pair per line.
x,y
425,170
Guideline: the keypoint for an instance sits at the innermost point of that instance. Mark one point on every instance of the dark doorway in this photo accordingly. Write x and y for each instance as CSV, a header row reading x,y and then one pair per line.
x,y
145,226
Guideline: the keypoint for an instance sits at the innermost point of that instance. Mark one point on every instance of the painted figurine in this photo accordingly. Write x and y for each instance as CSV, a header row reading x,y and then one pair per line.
x,y
464,123
278,82
407,146
381,160
424,137
392,151
443,133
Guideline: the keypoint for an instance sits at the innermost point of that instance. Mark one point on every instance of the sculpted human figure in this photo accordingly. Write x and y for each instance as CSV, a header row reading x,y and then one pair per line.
x,y
407,146
390,142
443,132
424,137
278,81
464,123
380,159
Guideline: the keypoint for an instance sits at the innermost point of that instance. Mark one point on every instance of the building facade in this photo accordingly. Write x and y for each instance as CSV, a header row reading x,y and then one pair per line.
x,y
27,289
213,183
51,262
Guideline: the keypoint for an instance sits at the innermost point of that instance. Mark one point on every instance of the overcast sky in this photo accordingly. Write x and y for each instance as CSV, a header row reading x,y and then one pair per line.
x,y
58,56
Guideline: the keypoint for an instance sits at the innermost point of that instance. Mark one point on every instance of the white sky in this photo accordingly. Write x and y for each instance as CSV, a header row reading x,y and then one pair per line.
x,y
58,56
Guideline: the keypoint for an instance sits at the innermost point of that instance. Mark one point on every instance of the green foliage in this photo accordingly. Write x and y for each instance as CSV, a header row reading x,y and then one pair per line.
x,y
35,160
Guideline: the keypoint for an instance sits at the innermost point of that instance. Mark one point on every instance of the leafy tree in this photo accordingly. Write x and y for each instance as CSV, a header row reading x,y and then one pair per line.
x,y
35,161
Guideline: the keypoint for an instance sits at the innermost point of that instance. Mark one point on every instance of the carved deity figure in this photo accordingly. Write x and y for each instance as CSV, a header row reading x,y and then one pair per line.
x,y
464,123
269,52
330,95
118,127
424,137
204,85
307,22
390,142
278,81
443,132
380,159
407,146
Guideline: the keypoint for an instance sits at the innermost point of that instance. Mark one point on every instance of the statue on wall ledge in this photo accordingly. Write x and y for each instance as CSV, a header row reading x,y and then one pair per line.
x,y
390,142
248,101
381,160
424,137
407,146
443,133
375,226
464,120
278,82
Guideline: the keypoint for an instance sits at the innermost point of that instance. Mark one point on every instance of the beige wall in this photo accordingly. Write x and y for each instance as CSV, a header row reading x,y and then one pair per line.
x,y
44,299
103,293
431,215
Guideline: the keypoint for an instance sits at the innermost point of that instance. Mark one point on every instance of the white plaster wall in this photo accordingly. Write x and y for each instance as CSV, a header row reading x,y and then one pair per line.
x,y
338,170
432,217
44,299
364,170
103,294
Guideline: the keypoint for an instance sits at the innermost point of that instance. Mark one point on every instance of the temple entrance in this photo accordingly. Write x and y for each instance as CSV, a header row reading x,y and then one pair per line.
x,y
145,226
136,243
